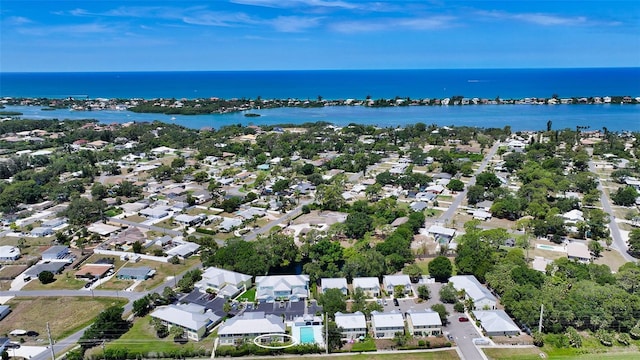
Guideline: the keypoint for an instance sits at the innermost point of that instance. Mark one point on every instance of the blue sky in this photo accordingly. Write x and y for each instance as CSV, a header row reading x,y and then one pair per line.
x,y
97,35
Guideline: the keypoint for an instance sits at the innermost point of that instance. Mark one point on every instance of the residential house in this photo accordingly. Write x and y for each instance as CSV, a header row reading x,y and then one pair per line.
x,y
481,296
248,326
540,263
418,206
189,220
4,311
370,285
55,267
57,252
225,283
334,283
138,273
390,282
424,323
42,231
9,253
386,325
573,216
578,251
496,323
282,287
354,326
481,215
93,271
157,212
442,234
182,249
229,224
194,319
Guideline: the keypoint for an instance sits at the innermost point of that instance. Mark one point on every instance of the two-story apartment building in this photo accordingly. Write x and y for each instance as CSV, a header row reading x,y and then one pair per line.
x,y
424,323
390,282
370,285
354,326
282,288
386,325
194,319
248,326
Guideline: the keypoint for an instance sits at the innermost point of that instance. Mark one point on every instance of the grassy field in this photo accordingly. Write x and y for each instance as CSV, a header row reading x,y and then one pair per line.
x,y
512,353
64,281
65,315
434,355
142,338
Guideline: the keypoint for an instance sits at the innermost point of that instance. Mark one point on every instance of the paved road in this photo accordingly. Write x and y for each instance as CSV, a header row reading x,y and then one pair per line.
x,y
447,215
252,235
129,295
619,243
150,227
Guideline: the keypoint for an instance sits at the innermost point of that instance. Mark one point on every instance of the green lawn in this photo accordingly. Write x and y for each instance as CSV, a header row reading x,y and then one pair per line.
x,y
433,355
367,345
514,353
142,338
249,295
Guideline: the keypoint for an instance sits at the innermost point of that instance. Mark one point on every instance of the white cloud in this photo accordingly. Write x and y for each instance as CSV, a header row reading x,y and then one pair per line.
x,y
544,19
71,30
298,3
293,23
17,20
418,23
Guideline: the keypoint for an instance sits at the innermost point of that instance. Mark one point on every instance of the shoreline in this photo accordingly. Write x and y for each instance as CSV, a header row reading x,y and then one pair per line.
x,y
209,106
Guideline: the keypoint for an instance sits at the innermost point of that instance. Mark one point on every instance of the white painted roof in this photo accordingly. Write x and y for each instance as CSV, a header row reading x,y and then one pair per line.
x,y
424,318
387,320
351,321
472,287
366,283
253,323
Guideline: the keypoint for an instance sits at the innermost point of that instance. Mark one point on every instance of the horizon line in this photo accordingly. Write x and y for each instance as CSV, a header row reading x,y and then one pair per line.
x,y
319,70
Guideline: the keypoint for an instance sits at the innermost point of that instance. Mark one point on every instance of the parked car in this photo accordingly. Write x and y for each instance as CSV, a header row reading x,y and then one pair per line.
x,y
33,333
463,319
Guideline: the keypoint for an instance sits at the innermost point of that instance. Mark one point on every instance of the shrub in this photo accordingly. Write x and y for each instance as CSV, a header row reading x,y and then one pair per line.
x,y
624,339
575,340
605,337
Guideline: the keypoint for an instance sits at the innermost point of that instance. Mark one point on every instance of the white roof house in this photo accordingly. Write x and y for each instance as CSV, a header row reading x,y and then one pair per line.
x,y
9,253
496,323
481,296
424,323
334,283
250,325
370,285
184,249
440,232
282,287
194,319
219,279
229,223
386,325
540,263
573,216
55,252
578,251
391,281
353,325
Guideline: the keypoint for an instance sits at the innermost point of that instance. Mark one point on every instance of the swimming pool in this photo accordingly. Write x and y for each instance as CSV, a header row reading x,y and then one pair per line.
x,y
306,335
550,248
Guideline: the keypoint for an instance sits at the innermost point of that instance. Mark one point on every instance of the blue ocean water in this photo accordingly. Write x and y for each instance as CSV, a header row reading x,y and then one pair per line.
x,y
330,84
615,117
334,84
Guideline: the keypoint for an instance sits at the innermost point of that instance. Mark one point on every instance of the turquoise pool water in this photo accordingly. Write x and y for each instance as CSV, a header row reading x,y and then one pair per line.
x,y
546,247
306,335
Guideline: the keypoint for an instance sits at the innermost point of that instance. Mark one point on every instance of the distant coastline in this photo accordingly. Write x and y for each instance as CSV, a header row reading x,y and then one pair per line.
x,y
204,106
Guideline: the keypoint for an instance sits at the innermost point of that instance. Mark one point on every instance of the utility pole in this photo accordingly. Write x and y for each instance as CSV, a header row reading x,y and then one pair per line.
x,y
53,354
326,332
540,322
